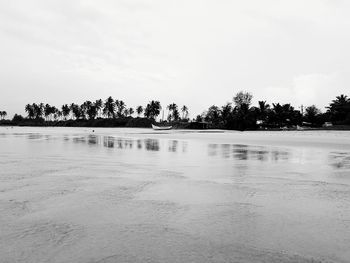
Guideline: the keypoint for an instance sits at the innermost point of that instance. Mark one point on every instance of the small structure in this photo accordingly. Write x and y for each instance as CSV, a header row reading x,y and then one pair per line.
x,y
327,124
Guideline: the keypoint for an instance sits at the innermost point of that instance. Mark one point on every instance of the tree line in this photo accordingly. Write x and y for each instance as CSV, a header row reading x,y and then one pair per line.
x,y
110,109
3,115
238,114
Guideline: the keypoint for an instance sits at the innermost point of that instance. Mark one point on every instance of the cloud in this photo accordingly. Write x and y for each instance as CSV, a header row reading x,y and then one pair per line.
x,y
311,89
193,52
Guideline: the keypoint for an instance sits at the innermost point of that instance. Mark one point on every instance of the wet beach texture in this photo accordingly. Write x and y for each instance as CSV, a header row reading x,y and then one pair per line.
x,y
136,195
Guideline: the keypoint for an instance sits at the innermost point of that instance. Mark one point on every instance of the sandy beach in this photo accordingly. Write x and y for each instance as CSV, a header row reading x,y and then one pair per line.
x,y
136,195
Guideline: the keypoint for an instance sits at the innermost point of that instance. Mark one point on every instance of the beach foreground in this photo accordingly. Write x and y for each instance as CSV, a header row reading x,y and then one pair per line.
x,y
136,195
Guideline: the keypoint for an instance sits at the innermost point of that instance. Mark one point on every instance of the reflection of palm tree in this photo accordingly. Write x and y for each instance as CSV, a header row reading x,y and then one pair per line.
x,y
152,145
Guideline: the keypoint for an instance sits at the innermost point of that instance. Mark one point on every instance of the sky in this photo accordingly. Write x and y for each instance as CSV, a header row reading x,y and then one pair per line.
x,y
191,52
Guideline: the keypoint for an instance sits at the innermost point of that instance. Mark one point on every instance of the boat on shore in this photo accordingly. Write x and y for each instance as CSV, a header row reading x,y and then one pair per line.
x,y
158,128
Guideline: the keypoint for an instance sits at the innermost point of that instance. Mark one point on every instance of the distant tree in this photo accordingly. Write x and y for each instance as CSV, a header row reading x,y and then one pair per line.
x,y
131,111
47,111
199,118
152,109
17,118
139,110
226,113
176,114
284,115
56,113
242,98
184,111
312,114
76,111
263,110
3,114
38,110
339,109
65,111
59,114
98,105
121,106
109,108
213,115
90,110
173,112
30,111
84,108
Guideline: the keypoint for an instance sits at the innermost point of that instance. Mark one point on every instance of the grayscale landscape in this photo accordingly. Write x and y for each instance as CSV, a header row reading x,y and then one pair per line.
x,y
174,131
138,195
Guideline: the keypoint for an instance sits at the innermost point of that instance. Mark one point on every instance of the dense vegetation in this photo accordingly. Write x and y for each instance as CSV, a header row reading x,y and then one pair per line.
x,y
239,114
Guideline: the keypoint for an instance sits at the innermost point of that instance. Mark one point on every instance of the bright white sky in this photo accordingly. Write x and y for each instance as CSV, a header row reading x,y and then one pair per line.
x,y
193,52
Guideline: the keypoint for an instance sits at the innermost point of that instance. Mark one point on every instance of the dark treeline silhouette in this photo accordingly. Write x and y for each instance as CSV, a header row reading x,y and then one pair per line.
x,y
240,115
3,115
237,115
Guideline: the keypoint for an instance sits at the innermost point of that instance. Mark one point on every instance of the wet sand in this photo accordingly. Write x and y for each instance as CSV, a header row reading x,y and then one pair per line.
x,y
135,195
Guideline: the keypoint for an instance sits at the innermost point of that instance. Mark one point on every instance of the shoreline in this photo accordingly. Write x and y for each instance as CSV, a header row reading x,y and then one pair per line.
x,y
333,128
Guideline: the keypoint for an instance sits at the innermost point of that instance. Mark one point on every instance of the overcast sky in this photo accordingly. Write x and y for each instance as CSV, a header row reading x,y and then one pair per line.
x,y
192,52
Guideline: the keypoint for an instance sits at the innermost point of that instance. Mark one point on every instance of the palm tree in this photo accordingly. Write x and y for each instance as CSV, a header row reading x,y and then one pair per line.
x,y
263,110
152,109
47,111
242,98
3,114
65,111
71,107
213,114
30,111
90,109
172,108
76,111
339,109
131,111
139,110
38,110
59,114
98,105
226,112
184,111
121,106
109,108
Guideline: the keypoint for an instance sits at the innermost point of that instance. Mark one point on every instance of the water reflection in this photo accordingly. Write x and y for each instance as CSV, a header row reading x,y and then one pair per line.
x,y
225,151
246,152
127,143
339,160
151,144
172,147
108,141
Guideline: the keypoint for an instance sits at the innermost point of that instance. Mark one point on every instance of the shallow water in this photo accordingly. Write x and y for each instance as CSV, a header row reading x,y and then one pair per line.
x,y
135,195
